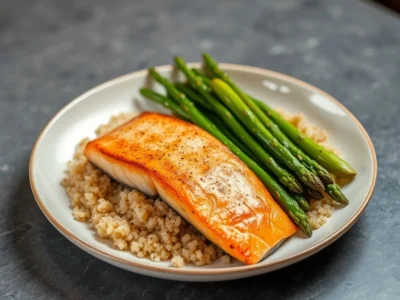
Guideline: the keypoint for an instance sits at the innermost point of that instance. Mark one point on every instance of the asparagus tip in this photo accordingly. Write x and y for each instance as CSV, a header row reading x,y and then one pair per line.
x,y
178,59
336,194
324,175
307,229
313,181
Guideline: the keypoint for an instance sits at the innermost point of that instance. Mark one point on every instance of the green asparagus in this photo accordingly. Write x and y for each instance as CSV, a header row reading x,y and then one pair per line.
x,y
312,180
235,126
302,202
313,194
325,158
336,193
301,156
240,109
206,79
225,130
280,195
322,173
192,95
333,189
166,102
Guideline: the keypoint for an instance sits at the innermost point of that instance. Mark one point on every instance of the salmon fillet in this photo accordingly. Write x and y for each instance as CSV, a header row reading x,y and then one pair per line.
x,y
200,178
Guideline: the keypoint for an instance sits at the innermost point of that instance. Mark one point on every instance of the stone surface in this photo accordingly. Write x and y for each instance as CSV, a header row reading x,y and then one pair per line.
x,y
52,51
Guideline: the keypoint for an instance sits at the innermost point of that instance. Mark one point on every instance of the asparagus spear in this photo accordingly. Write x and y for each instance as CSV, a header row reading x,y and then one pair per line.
x,y
336,193
280,195
206,79
302,202
283,175
313,194
333,189
225,130
192,95
285,141
240,109
166,102
309,178
301,156
327,159
322,173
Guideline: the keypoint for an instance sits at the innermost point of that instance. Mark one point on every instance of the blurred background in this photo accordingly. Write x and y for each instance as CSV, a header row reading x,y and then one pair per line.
x,y
51,51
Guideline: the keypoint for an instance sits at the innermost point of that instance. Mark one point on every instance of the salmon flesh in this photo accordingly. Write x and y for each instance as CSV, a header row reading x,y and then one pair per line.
x,y
200,178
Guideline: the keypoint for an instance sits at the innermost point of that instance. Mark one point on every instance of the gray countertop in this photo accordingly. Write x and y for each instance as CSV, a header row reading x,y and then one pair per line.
x,y
52,51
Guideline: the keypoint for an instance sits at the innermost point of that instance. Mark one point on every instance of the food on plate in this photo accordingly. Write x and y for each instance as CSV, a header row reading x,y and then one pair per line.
x,y
146,227
287,179
280,195
254,125
199,178
303,203
327,159
228,89
345,169
300,158
239,171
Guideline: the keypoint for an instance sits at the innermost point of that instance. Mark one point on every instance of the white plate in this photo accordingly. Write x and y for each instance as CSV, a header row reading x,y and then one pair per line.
x,y
79,119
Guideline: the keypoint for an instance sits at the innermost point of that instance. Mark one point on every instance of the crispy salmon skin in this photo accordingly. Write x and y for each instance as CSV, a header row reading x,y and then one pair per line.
x,y
199,178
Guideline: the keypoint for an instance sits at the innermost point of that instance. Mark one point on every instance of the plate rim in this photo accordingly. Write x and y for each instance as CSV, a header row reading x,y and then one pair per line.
x,y
206,271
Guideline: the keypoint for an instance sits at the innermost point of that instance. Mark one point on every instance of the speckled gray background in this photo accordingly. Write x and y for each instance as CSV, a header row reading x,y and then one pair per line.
x,y
52,51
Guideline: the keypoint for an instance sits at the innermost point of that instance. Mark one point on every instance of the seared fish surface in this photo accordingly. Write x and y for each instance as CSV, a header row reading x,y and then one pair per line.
x,y
199,178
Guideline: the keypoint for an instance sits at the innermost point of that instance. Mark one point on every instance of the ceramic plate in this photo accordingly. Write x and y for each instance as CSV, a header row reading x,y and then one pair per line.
x,y
56,143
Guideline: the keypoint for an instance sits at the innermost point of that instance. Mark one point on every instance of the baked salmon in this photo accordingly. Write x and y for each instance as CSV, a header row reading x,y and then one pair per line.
x,y
200,178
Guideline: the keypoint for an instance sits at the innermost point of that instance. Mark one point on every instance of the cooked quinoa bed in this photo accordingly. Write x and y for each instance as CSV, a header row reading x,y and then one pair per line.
x,y
147,227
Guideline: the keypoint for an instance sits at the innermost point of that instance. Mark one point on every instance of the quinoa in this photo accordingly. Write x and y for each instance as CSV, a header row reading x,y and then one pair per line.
x,y
147,227
133,222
